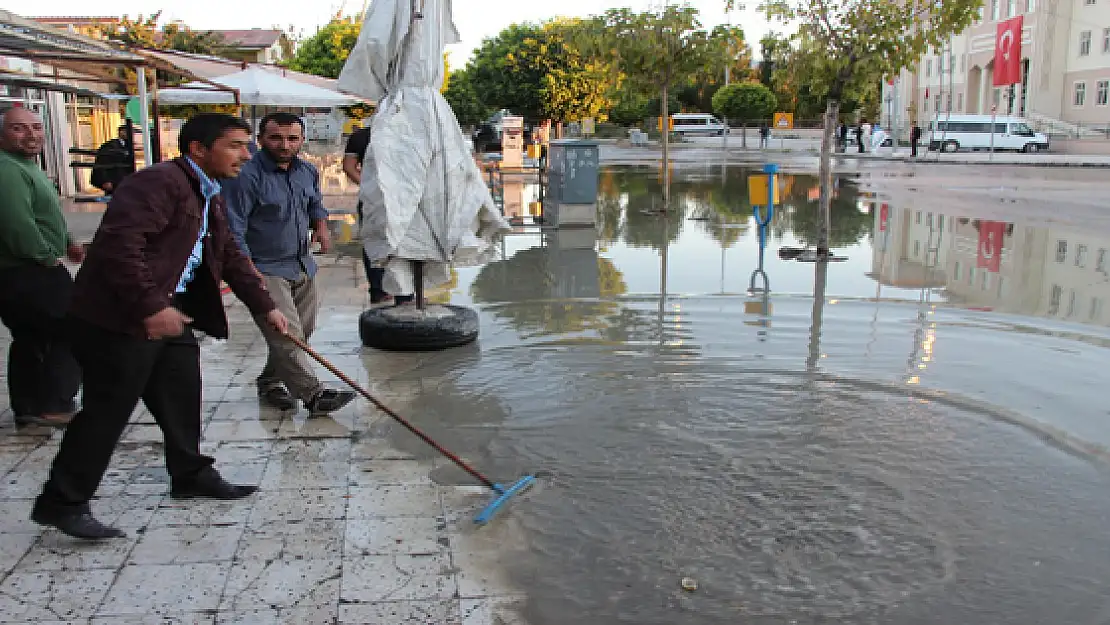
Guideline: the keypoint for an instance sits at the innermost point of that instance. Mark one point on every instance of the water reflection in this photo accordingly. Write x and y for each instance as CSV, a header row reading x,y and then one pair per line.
x,y
843,464
1012,267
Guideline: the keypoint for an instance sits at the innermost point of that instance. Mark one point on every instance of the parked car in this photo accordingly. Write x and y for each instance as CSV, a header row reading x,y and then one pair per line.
x,y
950,133
697,124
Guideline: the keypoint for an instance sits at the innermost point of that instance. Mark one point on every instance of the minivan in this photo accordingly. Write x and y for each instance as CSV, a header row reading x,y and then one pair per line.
x,y
973,132
697,124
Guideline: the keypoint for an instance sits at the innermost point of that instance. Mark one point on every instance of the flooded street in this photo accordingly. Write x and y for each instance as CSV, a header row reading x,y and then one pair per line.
x,y
915,435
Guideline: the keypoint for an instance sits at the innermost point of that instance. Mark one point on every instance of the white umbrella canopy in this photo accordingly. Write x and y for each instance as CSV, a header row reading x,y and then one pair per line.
x,y
257,87
422,194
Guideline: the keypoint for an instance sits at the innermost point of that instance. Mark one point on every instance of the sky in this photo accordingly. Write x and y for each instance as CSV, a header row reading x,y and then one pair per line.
x,y
476,19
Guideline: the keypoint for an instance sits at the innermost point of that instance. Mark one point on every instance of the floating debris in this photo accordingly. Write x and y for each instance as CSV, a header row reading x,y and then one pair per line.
x,y
689,584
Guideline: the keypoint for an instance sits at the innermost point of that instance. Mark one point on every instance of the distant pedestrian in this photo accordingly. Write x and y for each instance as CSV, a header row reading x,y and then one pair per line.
x,y
859,136
35,287
272,207
764,135
151,279
842,141
115,160
915,139
352,166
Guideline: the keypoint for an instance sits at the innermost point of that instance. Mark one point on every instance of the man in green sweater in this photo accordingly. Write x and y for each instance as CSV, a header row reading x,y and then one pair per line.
x,y
35,286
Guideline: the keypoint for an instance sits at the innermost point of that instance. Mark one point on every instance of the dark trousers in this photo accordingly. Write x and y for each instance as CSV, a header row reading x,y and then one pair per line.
x,y
43,377
119,370
375,275
913,146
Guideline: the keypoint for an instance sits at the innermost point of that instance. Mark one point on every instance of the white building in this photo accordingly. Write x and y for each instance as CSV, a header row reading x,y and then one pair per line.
x,y
1065,85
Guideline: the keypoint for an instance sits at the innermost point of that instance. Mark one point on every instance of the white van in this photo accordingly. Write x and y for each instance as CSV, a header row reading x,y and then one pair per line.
x,y
697,124
973,132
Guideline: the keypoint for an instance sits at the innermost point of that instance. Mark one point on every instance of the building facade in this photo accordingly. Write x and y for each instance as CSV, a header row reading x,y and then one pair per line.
x,y
1065,83
257,45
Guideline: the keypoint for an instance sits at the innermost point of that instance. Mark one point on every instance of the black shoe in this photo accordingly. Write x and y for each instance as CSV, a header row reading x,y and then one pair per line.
x,y
210,486
277,397
329,400
78,525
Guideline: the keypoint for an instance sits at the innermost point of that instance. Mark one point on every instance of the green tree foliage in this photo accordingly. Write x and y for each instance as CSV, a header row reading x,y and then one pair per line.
x,y
654,49
537,71
846,48
464,100
324,53
746,103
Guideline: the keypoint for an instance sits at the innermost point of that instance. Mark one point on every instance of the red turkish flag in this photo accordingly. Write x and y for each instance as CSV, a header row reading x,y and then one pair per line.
x,y
1007,52
884,216
990,245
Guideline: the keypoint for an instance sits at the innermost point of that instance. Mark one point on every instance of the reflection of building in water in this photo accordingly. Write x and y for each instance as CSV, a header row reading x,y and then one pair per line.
x,y
1005,267
909,251
1076,285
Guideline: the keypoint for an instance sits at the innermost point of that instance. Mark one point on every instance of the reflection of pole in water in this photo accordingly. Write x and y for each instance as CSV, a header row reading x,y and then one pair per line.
x,y
820,276
664,253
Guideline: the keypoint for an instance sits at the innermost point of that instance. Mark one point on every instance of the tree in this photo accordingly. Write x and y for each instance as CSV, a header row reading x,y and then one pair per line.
x,y
848,45
653,49
745,102
464,99
537,71
324,53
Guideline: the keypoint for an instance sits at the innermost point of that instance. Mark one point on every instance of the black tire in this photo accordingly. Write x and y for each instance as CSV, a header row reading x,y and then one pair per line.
x,y
950,146
390,329
1030,148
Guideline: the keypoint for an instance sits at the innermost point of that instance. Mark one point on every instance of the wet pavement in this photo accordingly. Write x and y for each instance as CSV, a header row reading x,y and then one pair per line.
x,y
914,435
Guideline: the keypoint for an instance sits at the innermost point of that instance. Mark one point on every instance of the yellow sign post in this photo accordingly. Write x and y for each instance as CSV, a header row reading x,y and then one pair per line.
x,y
759,193
784,121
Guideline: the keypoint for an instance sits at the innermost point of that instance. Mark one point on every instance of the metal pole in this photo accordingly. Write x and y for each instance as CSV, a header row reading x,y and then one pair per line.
x,y
728,75
418,280
144,117
994,112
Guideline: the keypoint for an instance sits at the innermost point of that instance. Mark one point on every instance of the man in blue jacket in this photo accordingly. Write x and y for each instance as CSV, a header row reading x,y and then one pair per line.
x,y
271,206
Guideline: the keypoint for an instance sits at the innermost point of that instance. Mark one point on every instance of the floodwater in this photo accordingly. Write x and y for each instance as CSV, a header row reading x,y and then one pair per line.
x,y
914,435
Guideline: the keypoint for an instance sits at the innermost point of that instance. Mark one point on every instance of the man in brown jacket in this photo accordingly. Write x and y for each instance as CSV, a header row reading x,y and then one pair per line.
x,y
152,276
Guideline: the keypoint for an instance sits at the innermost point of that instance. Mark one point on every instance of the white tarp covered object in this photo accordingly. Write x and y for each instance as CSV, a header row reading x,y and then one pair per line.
x,y
258,87
423,196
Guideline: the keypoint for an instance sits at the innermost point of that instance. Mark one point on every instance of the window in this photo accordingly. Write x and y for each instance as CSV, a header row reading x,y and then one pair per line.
x,y
1100,261
957,272
963,63
1061,251
1089,2
960,102
1003,287
1080,94
971,276
1054,299
917,218
1071,304
928,67
996,10
1031,6
1080,255
986,280
929,220
917,249
1096,309
1011,8
936,102
1106,40
940,223
948,102
1102,92
1085,43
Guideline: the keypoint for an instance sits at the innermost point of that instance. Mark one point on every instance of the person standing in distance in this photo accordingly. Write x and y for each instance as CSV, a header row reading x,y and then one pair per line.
x,y
352,166
271,206
152,277
35,287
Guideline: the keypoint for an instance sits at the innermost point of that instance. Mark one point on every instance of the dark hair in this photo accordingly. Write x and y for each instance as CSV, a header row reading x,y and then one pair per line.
x,y
206,128
281,119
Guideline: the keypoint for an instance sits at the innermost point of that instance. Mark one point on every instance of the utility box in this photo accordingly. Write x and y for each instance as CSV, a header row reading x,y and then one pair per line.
x,y
573,171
